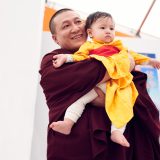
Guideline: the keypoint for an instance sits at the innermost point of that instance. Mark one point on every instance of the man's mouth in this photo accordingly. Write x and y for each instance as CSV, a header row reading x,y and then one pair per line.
x,y
75,37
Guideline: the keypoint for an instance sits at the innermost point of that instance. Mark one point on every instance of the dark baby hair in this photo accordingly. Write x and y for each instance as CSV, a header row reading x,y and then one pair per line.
x,y
93,18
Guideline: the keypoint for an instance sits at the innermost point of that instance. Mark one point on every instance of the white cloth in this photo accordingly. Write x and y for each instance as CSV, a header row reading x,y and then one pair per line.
x,y
69,58
75,110
102,86
113,128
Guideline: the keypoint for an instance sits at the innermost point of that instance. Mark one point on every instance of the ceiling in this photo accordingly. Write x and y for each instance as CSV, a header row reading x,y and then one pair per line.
x,y
128,14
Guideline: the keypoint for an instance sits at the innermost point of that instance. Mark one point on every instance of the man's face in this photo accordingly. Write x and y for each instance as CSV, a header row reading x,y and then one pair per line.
x,y
69,30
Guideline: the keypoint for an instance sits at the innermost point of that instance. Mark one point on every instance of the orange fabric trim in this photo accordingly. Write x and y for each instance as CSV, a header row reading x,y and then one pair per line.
x,y
47,16
120,34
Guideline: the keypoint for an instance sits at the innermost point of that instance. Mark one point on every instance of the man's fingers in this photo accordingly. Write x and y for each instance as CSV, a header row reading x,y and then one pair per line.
x,y
99,92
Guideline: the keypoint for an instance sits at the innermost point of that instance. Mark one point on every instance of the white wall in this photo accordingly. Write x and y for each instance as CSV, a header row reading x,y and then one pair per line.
x,y
20,46
39,144
142,45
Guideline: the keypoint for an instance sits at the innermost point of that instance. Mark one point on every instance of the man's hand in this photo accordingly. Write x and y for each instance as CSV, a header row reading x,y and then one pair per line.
x,y
100,100
59,60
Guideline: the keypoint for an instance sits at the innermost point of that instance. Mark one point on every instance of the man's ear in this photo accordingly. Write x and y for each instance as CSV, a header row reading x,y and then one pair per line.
x,y
55,38
89,32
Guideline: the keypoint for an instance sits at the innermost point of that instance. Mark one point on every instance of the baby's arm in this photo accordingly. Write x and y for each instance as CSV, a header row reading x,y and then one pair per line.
x,y
154,63
81,54
60,59
144,60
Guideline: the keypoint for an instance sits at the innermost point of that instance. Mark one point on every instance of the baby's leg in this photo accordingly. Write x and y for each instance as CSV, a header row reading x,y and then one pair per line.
x,y
73,113
116,133
118,137
102,86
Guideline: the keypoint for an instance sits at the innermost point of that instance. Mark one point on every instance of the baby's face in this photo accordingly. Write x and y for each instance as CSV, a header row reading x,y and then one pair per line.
x,y
103,29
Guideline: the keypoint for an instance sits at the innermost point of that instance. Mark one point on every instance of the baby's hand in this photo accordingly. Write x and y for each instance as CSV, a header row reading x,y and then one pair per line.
x,y
59,60
154,63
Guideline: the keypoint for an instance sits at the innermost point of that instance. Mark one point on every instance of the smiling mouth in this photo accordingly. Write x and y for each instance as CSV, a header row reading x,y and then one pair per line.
x,y
77,37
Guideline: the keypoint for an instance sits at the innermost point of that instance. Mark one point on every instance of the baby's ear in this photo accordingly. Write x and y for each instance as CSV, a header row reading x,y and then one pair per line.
x,y
89,32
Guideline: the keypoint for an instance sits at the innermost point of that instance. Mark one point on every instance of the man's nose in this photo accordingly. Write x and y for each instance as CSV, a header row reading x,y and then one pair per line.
x,y
75,28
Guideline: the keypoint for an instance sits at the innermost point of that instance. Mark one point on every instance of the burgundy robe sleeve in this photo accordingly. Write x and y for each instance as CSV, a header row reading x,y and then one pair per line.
x,y
63,86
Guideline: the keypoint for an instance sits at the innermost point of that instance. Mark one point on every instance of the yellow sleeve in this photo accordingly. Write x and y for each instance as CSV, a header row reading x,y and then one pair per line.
x,y
139,58
83,52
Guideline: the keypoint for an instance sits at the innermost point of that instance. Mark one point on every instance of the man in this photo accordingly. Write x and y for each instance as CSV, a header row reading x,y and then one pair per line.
x,y
90,137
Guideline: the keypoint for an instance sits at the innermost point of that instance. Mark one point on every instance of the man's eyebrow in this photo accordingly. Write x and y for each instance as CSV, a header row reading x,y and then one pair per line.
x,y
77,18
66,21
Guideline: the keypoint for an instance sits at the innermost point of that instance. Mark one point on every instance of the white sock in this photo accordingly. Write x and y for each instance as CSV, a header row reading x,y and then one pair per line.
x,y
122,129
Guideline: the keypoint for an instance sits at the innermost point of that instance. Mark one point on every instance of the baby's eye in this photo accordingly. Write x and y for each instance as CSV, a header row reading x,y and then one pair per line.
x,y
112,28
102,27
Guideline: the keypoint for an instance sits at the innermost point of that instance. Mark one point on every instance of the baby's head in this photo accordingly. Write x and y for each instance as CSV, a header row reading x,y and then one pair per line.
x,y
100,26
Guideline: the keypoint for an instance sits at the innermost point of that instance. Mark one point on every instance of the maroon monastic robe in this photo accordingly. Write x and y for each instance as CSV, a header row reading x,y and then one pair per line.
x,y
90,136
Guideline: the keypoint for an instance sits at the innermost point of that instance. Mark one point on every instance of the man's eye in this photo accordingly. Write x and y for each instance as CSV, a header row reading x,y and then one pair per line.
x,y
65,26
78,22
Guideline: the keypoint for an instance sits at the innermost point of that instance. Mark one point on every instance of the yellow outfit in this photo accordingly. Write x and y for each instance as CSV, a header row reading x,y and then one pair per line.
x,y
121,92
